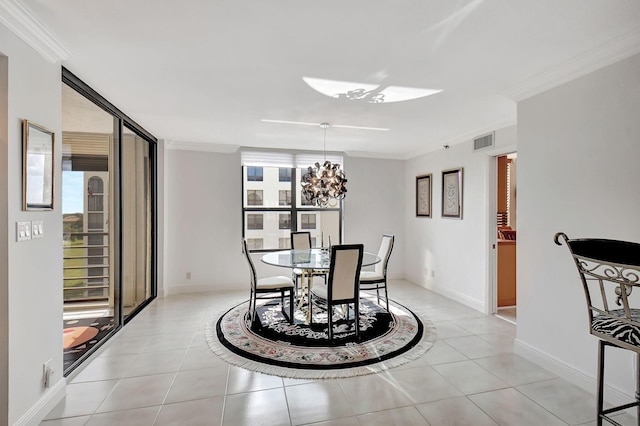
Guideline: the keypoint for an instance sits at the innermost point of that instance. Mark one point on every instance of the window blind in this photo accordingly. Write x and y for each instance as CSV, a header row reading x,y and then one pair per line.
x,y
288,159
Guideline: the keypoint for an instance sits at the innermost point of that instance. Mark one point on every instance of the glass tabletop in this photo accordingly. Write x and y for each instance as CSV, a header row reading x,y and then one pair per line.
x,y
314,258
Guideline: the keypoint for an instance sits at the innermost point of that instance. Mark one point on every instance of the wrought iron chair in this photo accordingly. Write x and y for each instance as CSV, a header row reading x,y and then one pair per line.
x,y
609,271
267,285
342,285
377,279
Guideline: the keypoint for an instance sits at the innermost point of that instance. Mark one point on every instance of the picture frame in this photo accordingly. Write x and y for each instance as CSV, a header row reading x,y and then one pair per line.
x,y
37,166
423,195
452,192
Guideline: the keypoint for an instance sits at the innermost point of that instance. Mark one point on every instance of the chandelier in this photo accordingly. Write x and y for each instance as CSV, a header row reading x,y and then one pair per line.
x,y
323,183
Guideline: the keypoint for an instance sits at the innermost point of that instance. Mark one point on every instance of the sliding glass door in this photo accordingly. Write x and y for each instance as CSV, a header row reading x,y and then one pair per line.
x,y
108,202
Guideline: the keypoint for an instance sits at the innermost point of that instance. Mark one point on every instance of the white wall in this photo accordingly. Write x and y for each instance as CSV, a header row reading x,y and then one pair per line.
x,y
455,253
374,205
203,217
203,221
33,301
578,150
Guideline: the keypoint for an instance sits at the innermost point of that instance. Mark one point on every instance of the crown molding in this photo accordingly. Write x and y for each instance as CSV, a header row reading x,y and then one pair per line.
x,y
28,27
198,146
601,56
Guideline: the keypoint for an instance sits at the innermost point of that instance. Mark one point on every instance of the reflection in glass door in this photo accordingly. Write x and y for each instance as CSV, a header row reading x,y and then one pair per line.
x,y
89,307
136,221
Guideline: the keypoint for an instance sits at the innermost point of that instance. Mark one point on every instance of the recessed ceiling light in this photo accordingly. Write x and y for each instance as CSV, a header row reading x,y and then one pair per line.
x,y
344,126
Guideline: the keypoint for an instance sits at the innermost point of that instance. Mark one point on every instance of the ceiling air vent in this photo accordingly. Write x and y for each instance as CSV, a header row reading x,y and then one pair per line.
x,y
482,142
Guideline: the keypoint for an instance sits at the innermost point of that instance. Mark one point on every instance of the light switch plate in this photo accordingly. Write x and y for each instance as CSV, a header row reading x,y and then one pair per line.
x,y
23,231
37,229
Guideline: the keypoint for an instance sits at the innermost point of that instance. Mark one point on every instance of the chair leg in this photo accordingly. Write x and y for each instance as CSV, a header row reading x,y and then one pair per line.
x,y
356,309
600,394
330,321
291,303
638,388
386,295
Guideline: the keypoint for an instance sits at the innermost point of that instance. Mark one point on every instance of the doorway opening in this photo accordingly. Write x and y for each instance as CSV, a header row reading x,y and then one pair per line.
x,y
506,241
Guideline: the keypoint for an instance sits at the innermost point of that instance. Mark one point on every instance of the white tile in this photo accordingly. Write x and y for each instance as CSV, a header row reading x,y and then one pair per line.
x,y
510,408
137,416
241,380
398,416
266,407
137,392
149,363
514,369
104,368
372,393
198,384
454,411
421,384
473,347
469,377
69,421
567,401
318,401
201,412
82,398
442,353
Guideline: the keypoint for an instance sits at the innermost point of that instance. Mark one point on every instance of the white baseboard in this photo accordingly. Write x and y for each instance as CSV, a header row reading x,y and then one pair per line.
x,y
565,371
203,288
45,404
456,296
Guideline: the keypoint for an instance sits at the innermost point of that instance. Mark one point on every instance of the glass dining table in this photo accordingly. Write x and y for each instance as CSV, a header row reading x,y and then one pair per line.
x,y
309,261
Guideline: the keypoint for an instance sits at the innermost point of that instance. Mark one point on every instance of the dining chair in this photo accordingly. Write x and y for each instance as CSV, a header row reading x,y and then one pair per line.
x,y
377,279
267,285
301,240
342,285
610,271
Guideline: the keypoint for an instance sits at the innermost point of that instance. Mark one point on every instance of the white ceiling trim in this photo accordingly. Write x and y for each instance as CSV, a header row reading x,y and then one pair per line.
x,y
24,24
206,147
603,55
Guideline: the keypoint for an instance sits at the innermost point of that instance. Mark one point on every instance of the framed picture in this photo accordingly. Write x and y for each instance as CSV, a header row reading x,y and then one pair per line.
x,y
452,193
37,167
423,195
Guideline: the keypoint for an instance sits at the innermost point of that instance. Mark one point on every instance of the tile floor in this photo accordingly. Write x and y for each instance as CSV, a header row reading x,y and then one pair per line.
x,y
159,371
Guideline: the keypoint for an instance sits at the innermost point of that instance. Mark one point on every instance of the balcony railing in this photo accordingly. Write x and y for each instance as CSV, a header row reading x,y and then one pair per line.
x,y
86,267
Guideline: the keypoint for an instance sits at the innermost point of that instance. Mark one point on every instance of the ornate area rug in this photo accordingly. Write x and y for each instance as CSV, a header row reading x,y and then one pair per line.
x,y
273,346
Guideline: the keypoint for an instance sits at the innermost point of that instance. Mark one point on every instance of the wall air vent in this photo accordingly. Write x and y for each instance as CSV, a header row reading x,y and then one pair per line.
x,y
484,141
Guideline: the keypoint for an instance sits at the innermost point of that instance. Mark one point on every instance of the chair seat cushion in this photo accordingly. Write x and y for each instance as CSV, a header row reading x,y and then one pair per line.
x,y
320,291
612,326
274,282
370,276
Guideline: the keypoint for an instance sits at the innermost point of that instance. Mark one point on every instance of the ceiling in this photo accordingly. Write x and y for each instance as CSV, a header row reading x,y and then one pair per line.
x,y
204,74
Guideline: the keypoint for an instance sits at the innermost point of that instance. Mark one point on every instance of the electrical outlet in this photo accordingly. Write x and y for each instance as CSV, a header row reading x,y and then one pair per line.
x,y
47,372
188,275
433,273
426,272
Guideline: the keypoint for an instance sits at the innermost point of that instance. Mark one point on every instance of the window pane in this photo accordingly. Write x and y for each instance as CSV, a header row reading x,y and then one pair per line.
x,y
284,221
285,243
327,227
270,231
255,174
254,197
254,243
95,203
308,221
254,221
284,197
285,175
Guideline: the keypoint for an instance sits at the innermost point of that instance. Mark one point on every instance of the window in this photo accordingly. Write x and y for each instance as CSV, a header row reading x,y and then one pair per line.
x,y
284,175
95,203
284,197
284,243
284,221
255,174
308,221
254,197
271,209
95,222
255,243
255,221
